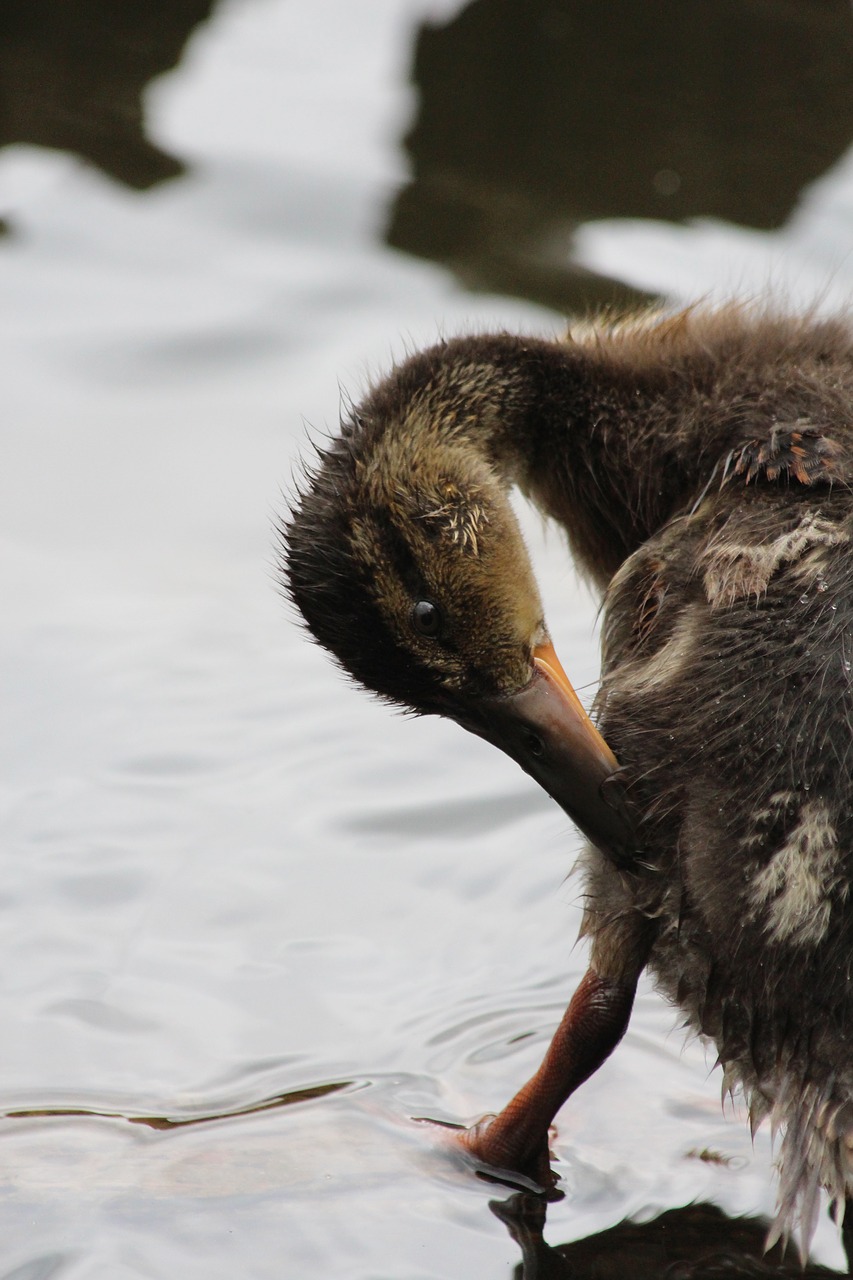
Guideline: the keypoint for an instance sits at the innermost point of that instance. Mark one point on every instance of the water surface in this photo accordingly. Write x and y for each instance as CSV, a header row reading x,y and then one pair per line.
x,y
251,924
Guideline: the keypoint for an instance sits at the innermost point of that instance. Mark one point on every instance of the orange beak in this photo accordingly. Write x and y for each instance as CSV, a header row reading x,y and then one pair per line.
x,y
546,660
546,730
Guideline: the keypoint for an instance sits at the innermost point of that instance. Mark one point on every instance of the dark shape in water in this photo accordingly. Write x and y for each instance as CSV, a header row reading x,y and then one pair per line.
x,y
72,77
537,115
698,1242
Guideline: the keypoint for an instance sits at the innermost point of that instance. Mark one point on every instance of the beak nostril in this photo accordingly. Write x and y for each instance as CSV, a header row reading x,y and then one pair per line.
x,y
534,743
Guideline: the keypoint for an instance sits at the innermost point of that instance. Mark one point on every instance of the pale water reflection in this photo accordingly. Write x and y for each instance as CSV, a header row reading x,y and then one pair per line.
x,y
251,924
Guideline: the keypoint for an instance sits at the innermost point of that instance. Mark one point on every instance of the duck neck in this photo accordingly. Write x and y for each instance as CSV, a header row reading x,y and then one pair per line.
x,y
584,441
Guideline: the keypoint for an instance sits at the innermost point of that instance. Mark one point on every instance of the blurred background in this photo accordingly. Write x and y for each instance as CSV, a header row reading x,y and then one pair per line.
x,y
252,925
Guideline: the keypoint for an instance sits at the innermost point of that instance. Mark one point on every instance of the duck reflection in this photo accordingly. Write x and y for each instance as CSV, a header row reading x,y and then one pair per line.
x,y
698,1242
537,115
72,77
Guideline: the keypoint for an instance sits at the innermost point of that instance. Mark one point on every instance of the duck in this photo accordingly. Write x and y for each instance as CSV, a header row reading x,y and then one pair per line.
x,y
700,465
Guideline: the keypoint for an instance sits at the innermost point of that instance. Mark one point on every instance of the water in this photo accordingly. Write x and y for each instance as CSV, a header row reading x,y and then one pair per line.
x,y
252,924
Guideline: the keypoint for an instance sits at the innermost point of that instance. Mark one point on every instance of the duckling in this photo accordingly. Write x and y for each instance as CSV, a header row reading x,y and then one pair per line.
x,y
700,465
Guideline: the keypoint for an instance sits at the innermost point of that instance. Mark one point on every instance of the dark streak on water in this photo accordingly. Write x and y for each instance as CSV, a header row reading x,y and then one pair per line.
x,y
169,1122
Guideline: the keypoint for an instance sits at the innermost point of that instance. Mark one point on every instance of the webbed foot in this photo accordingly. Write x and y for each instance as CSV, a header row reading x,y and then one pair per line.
x,y
502,1149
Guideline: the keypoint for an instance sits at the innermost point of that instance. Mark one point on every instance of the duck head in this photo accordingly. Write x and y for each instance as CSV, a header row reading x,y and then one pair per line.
x,y
405,558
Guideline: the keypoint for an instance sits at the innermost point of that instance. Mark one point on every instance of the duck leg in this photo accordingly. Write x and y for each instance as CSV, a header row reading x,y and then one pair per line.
x,y
591,1028
516,1140
847,1233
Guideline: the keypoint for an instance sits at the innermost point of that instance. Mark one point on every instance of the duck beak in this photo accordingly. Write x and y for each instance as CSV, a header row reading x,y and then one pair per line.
x,y
545,729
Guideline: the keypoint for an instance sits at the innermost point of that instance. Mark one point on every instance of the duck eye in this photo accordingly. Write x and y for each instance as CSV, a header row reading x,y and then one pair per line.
x,y
426,618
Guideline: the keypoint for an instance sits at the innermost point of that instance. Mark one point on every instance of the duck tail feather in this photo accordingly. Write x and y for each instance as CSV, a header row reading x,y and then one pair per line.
x,y
815,1153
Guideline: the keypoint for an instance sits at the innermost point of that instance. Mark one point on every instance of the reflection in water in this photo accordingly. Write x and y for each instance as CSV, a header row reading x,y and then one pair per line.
x,y
535,116
698,1242
72,77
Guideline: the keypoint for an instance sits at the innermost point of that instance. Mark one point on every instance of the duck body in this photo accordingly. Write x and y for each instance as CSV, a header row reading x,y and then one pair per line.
x,y
701,466
727,699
